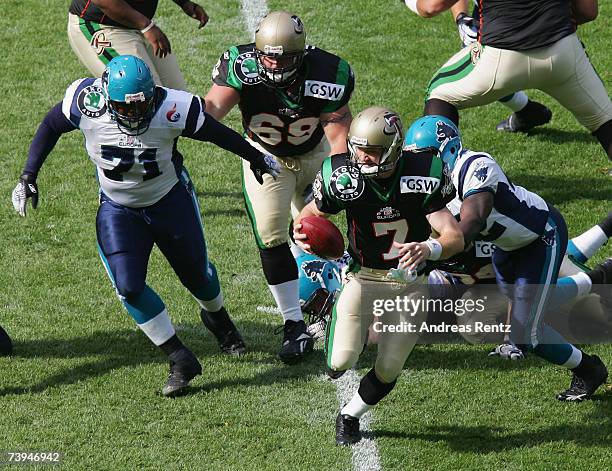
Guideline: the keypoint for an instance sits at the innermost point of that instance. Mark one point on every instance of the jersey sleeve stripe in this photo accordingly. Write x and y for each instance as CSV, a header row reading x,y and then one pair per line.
x,y
465,166
195,116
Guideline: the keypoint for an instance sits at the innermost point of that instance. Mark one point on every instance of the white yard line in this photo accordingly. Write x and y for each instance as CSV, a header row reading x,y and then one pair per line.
x,y
365,452
253,11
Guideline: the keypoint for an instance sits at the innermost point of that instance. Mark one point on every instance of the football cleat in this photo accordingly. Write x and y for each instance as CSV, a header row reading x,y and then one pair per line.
x,y
227,335
347,430
333,374
524,122
602,273
583,387
6,345
184,366
297,343
507,351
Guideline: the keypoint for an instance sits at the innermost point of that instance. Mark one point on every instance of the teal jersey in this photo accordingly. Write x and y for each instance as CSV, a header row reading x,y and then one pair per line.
x,y
380,212
286,121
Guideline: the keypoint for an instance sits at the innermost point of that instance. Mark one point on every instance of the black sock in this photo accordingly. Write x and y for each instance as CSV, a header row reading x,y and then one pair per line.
x,y
604,136
372,390
584,366
171,345
606,225
218,322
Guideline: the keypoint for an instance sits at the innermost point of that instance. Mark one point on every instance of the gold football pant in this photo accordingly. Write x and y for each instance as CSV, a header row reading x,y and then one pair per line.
x,y
478,75
96,45
270,205
360,299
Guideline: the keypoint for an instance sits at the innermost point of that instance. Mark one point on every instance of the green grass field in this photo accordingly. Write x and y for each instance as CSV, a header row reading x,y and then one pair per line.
x,y
84,381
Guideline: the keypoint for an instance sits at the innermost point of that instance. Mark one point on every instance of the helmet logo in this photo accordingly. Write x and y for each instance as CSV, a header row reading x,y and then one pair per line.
x,y
444,131
392,123
298,26
313,269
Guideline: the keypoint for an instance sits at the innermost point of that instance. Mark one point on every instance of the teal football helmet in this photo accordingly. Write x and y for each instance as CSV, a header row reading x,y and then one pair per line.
x,y
437,134
130,93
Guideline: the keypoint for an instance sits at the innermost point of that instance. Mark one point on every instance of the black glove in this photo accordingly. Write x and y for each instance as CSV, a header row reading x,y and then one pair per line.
x,y
265,164
26,188
467,28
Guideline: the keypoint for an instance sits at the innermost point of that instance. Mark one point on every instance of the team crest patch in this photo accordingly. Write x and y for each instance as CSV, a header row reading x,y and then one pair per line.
x,y
172,115
346,183
475,52
245,68
91,102
481,172
99,42
388,212
317,188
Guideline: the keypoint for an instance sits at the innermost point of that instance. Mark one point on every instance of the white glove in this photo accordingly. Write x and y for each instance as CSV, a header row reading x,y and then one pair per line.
x,y
507,351
267,164
467,28
25,189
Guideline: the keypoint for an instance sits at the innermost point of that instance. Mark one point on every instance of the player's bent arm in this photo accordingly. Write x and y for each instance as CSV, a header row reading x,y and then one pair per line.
x,y
309,210
475,210
429,8
462,6
220,100
450,235
336,127
585,10
121,12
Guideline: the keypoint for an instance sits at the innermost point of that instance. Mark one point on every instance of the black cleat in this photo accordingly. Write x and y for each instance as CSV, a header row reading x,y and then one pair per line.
x,y
347,430
525,120
334,374
184,366
582,388
227,335
297,343
6,345
602,273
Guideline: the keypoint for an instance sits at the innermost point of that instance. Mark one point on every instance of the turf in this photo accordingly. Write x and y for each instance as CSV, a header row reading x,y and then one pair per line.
x,y
84,381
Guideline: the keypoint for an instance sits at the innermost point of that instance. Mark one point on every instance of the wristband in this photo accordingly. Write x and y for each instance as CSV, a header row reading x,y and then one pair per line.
x,y
148,27
435,249
412,4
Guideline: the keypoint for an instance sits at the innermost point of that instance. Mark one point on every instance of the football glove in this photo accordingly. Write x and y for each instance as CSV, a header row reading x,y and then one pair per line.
x,y
507,351
25,189
467,28
265,164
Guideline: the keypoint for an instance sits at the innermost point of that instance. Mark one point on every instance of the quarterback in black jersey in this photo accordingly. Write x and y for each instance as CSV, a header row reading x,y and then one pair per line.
x,y
294,104
392,199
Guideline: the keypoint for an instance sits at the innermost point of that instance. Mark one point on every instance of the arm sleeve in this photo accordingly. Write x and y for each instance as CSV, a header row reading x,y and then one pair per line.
x,y
203,127
322,192
480,175
52,127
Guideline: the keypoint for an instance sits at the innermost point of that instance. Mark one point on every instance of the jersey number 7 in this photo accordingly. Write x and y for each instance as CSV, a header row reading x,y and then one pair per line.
x,y
399,229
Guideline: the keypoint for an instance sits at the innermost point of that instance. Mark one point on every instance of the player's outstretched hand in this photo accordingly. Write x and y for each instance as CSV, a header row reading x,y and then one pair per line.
x,y
196,12
300,239
265,164
158,41
25,189
467,29
507,351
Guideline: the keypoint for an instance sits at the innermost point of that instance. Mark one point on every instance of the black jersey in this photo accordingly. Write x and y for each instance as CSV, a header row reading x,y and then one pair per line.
x,y
521,25
379,213
88,11
286,122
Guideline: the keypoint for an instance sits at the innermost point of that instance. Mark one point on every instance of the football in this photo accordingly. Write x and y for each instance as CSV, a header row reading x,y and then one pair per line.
x,y
323,236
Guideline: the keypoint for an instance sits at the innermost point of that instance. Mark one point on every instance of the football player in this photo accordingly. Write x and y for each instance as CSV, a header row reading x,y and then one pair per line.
x,y
6,344
294,104
530,239
131,128
392,200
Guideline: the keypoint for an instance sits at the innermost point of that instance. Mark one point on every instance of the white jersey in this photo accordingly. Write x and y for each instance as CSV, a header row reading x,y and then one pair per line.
x,y
518,216
134,171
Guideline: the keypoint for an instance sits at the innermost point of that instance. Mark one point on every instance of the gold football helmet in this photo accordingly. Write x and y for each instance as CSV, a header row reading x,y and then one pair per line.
x,y
280,41
376,128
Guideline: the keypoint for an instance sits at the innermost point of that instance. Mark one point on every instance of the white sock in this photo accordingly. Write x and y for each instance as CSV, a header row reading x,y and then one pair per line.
x,y
212,305
159,329
574,360
287,297
356,407
517,102
590,241
583,283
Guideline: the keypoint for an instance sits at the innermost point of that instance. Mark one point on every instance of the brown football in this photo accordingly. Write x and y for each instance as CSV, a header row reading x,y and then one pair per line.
x,y
323,236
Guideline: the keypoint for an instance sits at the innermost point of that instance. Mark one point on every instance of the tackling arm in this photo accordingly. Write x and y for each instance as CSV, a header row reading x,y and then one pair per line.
x,y
336,127
474,212
584,10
